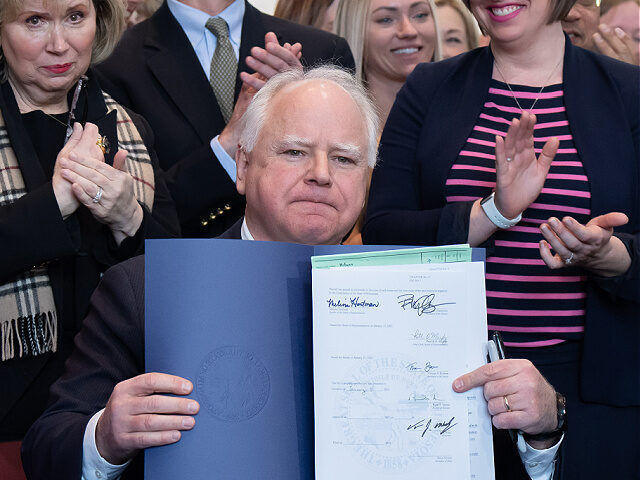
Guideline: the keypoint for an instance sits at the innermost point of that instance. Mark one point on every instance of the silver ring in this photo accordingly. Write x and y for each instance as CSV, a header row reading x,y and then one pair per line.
x,y
509,159
568,260
506,403
98,196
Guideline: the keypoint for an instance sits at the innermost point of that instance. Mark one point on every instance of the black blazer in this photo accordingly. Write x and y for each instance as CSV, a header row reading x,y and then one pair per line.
x,y
235,231
108,350
427,127
76,251
156,73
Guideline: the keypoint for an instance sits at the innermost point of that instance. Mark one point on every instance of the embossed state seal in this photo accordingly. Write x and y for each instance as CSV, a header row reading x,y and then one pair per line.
x,y
378,408
233,384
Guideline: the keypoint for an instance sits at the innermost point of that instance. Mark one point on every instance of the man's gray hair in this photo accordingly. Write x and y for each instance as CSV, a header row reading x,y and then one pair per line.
x,y
254,118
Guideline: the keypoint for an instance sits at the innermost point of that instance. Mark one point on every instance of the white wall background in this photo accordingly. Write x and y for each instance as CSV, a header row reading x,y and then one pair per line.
x,y
267,6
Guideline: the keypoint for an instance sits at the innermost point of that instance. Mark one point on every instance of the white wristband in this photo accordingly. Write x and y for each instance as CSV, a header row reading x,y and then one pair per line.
x,y
488,204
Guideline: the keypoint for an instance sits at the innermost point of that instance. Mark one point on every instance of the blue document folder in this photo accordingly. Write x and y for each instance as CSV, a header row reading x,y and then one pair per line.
x,y
234,317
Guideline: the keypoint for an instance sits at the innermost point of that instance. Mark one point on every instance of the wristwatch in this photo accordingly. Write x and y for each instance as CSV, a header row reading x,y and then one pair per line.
x,y
489,206
561,404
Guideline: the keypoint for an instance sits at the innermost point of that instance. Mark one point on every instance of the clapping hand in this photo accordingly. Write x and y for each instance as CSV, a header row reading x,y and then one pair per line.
x,y
62,188
520,175
271,60
266,62
105,190
591,246
616,44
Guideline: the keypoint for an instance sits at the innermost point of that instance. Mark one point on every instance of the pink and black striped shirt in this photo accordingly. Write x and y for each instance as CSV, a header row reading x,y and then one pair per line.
x,y
530,304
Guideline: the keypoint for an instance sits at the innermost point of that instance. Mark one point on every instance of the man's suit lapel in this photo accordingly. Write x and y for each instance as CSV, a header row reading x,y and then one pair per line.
x,y
178,70
253,32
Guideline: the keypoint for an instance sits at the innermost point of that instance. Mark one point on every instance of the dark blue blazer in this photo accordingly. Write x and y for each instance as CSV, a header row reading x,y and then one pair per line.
x,y
433,116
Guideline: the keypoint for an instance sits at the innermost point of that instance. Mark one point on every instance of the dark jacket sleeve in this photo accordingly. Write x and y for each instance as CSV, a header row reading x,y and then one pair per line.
x,y
189,182
108,350
397,212
163,221
626,286
626,80
24,226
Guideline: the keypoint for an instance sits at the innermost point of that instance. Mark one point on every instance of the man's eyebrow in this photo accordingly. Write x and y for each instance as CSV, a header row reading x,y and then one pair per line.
x,y
349,149
292,140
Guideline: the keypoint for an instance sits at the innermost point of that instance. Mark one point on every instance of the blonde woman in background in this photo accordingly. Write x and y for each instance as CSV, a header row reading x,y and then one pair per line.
x,y
315,13
141,10
459,31
388,38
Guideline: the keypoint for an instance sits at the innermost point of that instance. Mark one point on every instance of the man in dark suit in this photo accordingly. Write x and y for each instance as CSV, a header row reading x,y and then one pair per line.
x,y
304,160
162,69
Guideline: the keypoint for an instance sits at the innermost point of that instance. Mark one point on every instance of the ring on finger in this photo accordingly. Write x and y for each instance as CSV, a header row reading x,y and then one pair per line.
x,y
98,196
569,259
506,403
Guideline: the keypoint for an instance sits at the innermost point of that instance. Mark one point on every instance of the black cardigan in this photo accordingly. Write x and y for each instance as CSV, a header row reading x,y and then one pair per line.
x,y
433,115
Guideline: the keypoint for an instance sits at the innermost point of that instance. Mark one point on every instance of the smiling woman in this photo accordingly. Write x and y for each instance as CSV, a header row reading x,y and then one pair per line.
x,y
508,147
72,201
388,38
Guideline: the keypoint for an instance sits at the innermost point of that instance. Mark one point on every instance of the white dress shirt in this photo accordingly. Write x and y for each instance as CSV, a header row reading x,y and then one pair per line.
x,y
94,467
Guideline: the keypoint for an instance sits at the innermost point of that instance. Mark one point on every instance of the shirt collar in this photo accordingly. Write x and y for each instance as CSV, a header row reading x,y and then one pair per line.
x,y
193,21
245,234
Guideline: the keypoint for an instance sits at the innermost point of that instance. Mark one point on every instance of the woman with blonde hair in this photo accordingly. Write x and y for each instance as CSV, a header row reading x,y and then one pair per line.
x,y
388,38
459,31
315,13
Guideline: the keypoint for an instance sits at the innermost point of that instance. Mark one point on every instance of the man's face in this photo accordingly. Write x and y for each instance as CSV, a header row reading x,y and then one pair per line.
x,y
582,22
306,179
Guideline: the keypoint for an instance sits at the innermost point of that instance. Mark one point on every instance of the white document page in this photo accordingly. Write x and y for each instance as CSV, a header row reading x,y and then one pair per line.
x,y
388,344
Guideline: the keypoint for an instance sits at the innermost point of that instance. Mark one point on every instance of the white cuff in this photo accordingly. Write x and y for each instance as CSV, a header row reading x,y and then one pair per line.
x,y
228,163
540,463
94,467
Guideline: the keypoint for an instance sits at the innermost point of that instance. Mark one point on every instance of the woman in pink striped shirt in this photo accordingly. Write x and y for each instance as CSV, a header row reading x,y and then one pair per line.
x,y
530,148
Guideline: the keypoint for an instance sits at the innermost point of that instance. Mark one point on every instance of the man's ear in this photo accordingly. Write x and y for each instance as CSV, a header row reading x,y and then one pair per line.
x,y
242,164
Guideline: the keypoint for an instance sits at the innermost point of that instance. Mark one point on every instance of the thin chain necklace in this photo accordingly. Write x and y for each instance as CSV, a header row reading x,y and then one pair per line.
x,y
539,91
59,121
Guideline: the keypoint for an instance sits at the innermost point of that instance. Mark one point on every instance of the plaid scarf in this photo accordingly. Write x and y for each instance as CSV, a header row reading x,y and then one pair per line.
x,y
28,318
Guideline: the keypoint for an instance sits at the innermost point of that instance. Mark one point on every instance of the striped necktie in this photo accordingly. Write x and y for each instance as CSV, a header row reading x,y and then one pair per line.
x,y
224,66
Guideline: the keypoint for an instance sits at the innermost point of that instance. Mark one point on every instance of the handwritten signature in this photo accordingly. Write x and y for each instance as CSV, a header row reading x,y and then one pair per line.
x,y
425,426
423,305
423,397
353,302
427,367
429,337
